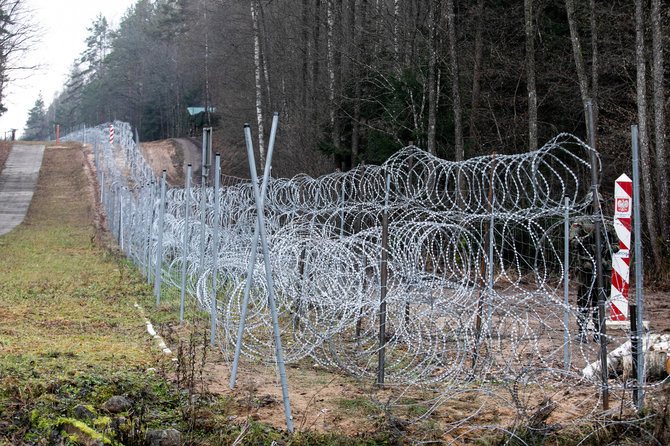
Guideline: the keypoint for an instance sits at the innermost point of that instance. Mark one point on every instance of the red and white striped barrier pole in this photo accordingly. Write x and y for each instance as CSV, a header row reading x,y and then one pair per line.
x,y
623,204
111,134
57,134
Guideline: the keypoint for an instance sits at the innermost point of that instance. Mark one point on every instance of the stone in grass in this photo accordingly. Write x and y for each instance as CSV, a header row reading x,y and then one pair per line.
x,y
83,413
117,404
163,437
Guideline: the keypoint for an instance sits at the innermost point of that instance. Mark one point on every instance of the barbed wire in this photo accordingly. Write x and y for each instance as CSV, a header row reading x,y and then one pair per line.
x,y
474,292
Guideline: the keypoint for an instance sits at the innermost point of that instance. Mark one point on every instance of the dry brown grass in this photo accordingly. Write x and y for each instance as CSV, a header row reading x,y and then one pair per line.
x,y
5,148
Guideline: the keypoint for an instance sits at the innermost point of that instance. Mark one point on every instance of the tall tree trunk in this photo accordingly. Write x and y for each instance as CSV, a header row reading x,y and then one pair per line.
x,y
410,45
316,66
530,74
333,19
339,41
259,87
455,90
360,11
645,156
307,54
582,79
432,87
330,52
396,33
208,117
477,68
264,61
659,119
595,67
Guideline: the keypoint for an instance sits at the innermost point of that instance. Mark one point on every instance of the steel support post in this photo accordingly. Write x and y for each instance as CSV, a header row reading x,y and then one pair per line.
x,y
599,291
150,235
216,224
184,249
383,283
566,285
159,243
637,246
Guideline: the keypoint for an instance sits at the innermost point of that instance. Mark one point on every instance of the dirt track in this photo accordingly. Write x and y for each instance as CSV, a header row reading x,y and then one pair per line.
x,y
192,154
174,155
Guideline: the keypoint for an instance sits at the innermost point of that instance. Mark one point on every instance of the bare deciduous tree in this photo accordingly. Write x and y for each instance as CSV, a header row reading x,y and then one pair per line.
x,y
259,87
582,78
432,78
659,119
17,35
477,68
455,87
645,152
530,73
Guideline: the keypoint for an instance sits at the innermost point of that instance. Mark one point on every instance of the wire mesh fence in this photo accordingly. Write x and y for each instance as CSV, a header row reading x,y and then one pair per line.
x,y
464,262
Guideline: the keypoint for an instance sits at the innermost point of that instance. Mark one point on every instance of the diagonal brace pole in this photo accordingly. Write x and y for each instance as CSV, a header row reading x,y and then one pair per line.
x,y
268,276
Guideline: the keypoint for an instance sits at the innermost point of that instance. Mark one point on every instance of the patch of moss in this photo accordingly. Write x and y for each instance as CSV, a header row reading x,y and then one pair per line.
x,y
102,422
77,427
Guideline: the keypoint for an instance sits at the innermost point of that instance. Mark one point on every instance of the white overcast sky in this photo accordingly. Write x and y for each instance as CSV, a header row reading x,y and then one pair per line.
x,y
62,24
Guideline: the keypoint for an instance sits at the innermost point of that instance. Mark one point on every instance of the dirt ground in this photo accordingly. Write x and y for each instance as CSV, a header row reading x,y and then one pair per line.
x,y
657,305
164,155
332,402
173,155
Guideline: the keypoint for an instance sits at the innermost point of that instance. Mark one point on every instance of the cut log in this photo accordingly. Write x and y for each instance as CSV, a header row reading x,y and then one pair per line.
x,y
620,361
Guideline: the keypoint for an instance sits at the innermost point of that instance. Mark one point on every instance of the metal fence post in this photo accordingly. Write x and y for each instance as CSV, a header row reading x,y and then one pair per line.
x,y
566,285
342,206
121,237
383,279
150,235
203,212
637,240
187,210
159,243
215,248
599,291
490,269
146,208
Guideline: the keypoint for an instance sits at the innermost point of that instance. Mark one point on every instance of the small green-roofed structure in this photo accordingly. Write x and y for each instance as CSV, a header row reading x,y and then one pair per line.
x,y
198,119
197,110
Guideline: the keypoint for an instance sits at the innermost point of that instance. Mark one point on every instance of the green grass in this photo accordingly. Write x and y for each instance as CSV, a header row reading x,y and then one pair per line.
x,y
69,332
357,405
60,291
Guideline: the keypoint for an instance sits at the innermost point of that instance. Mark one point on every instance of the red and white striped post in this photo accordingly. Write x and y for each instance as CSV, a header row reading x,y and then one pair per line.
x,y
111,134
623,192
57,134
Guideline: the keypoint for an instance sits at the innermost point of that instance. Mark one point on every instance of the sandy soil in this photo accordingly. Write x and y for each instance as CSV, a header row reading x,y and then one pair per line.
x,y
165,155
657,305
316,397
